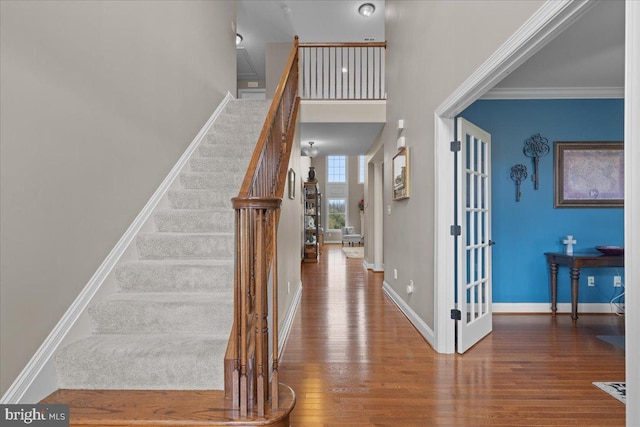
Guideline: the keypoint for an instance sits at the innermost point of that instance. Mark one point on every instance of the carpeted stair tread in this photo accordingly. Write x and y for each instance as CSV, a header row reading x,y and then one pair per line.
x,y
231,128
185,245
201,198
143,362
210,180
194,220
174,275
237,149
248,107
234,165
163,313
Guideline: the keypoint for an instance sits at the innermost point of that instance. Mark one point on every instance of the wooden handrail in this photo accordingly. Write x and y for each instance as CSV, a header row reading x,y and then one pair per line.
x,y
257,209
344,44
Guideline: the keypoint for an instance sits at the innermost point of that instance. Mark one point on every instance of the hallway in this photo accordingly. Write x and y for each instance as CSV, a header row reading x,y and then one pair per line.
x,y
353,359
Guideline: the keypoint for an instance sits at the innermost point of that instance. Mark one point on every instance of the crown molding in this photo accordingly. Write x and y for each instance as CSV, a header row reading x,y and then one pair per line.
x,y
555,93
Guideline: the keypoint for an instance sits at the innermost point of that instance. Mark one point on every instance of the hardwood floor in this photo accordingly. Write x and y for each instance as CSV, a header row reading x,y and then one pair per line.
x,y
353,359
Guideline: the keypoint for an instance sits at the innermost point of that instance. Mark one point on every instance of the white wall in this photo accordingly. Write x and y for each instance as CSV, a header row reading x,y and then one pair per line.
x,y
276,56
98,101
439,44
290,236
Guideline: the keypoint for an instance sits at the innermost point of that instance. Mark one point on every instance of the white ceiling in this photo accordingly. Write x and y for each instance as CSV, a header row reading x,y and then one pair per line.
x,y
589,54
340,139
268,21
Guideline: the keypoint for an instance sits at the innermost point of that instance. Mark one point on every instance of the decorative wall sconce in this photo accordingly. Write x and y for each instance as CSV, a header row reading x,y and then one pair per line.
x,y
518,174
400,142
537,146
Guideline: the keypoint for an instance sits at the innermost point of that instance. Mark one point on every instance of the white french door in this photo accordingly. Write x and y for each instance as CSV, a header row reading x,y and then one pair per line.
x,y
473,294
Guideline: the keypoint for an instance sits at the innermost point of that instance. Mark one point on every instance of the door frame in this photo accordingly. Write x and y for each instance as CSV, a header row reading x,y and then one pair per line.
x,y
549,21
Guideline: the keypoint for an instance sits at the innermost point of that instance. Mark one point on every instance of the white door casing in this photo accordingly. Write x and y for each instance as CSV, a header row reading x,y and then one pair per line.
x,y
474,243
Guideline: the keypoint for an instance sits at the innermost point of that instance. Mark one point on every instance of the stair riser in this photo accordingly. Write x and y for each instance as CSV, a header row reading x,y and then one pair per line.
x,y
226,118
240,149
140,277
210,181
206,199
175,364
194,221
230,138
237,128
188,246
248,108
219,164
149,317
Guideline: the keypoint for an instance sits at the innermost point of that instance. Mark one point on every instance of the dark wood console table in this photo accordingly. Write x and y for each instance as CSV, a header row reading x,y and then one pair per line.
x,y
575,262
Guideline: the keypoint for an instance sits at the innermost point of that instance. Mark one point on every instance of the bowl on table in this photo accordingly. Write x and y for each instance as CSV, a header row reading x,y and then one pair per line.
x,y
611,250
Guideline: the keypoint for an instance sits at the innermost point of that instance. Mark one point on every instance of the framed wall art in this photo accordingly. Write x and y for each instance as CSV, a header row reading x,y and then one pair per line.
x,y
589,174
401,175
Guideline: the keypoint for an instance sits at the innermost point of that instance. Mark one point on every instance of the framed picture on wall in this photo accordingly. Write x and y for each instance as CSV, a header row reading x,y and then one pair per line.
x,y
589,174
401,174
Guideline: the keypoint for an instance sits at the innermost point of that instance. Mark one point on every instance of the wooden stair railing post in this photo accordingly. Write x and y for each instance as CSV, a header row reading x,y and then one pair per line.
x,y
257,215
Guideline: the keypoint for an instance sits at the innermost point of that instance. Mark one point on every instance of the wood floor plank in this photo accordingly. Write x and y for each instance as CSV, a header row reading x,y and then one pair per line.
x,y
354,360
150,408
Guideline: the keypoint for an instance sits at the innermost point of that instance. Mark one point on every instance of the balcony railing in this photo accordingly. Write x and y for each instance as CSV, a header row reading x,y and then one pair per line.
x,y
343,71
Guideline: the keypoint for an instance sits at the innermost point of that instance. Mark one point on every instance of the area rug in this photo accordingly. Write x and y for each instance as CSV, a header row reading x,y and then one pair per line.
x,y
617,340
617,390
354,251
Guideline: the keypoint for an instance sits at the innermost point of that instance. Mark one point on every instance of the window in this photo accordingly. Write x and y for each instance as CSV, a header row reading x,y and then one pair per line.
x,y
337,168
361,166
337,213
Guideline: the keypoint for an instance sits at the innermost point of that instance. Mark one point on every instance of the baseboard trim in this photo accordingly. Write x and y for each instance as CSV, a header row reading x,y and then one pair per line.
x,y
545,307
367,265
413,317
288,320
29,378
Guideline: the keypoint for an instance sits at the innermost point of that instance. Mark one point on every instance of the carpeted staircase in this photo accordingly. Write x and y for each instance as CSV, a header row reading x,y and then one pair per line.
x,y
168,325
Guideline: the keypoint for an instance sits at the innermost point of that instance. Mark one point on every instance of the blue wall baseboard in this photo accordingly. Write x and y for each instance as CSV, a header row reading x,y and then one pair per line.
x,y
525,230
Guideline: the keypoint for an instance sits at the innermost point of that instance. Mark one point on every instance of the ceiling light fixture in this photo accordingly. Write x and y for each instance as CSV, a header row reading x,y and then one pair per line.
x,y
345,70
366,9
310,151
239,38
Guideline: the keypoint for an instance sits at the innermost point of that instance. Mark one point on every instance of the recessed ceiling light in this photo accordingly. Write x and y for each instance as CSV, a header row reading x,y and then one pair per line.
x,y
239,38
366,9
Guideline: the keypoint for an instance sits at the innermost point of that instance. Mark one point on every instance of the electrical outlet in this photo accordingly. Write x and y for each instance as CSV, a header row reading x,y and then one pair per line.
x,y
591,281
288,287
395,273
617,281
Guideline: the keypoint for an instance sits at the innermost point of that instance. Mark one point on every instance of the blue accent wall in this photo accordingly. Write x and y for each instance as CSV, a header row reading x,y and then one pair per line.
x,y
523,231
